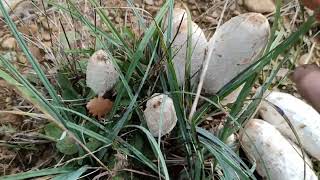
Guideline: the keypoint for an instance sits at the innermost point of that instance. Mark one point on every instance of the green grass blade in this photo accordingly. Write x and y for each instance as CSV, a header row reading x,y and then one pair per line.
x,y
257,66
88,132
27,89
122,121
131,151
30,57
71,175
156,149
225,155
37,173
108,23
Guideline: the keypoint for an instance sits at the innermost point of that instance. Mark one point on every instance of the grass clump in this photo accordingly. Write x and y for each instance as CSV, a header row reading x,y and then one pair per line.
x,y
120,145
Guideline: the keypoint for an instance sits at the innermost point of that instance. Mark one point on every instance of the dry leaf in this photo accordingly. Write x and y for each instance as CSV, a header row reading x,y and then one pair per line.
x,y
99,106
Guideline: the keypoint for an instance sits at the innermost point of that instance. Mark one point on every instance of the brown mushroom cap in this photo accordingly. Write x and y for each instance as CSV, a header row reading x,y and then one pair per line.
x,y
307,79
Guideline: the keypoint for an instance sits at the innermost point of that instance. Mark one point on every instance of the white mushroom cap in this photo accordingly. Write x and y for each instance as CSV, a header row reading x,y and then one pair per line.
x,y
160,114
101,74
180,45
273,154
302,116
235,46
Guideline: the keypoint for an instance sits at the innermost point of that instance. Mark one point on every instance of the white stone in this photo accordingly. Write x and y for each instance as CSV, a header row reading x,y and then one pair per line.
x,y
260,6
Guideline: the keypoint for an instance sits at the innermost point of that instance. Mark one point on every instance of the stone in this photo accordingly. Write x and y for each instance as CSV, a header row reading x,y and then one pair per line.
x,y
260,6
9,43
149,2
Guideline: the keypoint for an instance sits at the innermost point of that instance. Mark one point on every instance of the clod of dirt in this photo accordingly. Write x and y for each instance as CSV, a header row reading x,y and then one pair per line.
x,y
260,6
235,46
160,115
99,106
9,43
275,157
307,78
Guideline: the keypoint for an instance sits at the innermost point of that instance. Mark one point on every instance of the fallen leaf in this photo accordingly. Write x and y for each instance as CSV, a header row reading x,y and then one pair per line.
x,y
99,106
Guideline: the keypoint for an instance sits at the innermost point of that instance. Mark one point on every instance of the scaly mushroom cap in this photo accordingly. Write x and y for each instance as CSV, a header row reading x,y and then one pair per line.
x,y
235,46
304,119
160,114
180,46
101,74
273,154
307,79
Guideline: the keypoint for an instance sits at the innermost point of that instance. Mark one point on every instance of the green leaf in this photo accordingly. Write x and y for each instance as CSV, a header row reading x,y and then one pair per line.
x,y
36,173
70,36
71,175
68,92
93,144
156,149
52,130
67,146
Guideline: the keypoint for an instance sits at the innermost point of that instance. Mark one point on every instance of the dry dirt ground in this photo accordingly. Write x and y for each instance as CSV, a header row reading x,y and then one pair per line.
x,y
21,146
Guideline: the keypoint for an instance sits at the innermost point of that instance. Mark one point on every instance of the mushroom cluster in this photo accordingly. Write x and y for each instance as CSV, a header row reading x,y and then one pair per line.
x,y
272,141
236,45
269,142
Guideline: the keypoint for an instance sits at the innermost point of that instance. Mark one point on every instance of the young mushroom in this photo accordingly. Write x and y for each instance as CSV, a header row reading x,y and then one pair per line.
x,y
275,157
304,119
306,77
160,115
180,46
235,46
101,77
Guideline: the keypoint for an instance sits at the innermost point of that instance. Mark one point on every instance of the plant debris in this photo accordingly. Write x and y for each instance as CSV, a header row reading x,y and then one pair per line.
x,y
99,106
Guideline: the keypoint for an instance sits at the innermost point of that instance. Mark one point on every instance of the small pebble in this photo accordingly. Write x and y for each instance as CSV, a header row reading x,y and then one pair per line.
x,y
45,25
9,43
149,2
260,6
46,36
